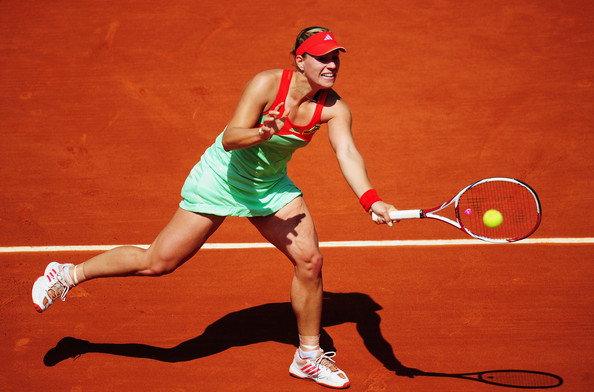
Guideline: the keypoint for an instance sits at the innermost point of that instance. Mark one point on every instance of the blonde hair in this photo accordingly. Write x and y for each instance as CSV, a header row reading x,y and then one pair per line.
x,y
305,34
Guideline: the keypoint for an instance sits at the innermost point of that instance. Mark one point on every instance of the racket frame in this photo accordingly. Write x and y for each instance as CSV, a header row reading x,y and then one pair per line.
x,y
431,212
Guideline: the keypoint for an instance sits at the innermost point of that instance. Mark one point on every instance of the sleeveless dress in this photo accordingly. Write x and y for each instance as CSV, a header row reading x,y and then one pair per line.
x,y
251,181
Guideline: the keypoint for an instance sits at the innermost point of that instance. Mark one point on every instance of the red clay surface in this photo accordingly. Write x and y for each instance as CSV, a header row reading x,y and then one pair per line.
x,y
105,107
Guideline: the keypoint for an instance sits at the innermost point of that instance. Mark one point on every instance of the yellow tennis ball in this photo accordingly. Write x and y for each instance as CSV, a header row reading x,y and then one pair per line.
x,y
492,218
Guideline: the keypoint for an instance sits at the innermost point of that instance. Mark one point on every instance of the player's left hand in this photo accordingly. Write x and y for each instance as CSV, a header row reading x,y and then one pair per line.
x,y
272,123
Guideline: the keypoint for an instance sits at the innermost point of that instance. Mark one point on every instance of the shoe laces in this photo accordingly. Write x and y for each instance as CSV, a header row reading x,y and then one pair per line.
x,y
326,361
59,288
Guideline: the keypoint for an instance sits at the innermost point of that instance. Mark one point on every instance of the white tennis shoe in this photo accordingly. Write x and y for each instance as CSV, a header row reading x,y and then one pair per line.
x,y
51,286
322,370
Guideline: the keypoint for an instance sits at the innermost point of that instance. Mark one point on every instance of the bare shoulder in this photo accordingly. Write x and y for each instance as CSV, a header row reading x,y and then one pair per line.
x,y
335,108
266,79
263,87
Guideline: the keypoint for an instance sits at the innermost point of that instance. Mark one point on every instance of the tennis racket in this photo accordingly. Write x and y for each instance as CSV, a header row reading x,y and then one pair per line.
x,y
525,379
516,201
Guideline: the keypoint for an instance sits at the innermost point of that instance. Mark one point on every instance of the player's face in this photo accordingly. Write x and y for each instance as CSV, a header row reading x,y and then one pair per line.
x,y
322,70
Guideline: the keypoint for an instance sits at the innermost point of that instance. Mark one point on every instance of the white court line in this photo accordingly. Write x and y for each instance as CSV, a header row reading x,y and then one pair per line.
x,y
327,244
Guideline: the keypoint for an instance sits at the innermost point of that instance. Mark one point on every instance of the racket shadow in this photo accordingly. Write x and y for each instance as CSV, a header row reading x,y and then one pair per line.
x,y
510,378
263,323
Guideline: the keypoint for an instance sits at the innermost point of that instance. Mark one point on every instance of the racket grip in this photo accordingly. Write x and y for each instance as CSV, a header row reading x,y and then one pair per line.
x,y
401,214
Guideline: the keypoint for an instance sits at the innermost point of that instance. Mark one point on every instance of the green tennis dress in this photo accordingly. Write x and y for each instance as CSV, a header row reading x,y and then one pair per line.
x,y
251,181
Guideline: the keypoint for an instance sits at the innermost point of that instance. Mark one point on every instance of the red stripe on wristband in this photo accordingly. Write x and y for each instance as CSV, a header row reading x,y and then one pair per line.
x,y
368,198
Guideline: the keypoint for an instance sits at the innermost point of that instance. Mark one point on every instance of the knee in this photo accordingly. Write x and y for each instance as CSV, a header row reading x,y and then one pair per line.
x,y
159,269
157,265
310,268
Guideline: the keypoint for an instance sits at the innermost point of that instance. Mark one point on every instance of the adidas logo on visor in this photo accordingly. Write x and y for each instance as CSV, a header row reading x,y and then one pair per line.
x,y
328,38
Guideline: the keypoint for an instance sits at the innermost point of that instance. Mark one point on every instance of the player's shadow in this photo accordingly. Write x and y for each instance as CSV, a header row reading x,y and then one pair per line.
x,y
268,322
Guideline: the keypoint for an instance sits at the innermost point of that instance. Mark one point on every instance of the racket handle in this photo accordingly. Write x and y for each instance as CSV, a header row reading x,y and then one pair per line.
x,y
401,214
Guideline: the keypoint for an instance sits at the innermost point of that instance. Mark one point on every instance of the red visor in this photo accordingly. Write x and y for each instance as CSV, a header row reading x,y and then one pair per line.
x,y
319,44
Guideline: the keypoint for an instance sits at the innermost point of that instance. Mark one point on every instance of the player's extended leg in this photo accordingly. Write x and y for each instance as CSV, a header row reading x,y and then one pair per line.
x,y
178,241
292,231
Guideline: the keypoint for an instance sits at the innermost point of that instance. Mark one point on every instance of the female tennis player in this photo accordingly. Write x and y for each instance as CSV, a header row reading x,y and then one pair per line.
x,y
244,173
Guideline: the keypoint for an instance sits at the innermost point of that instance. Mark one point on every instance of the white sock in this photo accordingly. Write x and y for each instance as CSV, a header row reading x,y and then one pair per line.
x,y
310,350
308,354
75,277
69,281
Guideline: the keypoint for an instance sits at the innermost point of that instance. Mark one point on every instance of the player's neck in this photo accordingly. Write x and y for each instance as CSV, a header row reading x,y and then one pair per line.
x,y
301,90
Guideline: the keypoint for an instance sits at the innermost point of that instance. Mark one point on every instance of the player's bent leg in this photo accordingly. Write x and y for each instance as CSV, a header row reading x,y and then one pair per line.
x,y
292,231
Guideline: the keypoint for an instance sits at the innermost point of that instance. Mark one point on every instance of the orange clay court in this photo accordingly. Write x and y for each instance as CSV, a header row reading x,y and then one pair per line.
x,y
106,106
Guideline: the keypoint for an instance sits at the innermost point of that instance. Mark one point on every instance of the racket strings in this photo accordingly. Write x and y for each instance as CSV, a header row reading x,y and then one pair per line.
x,y
516,203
